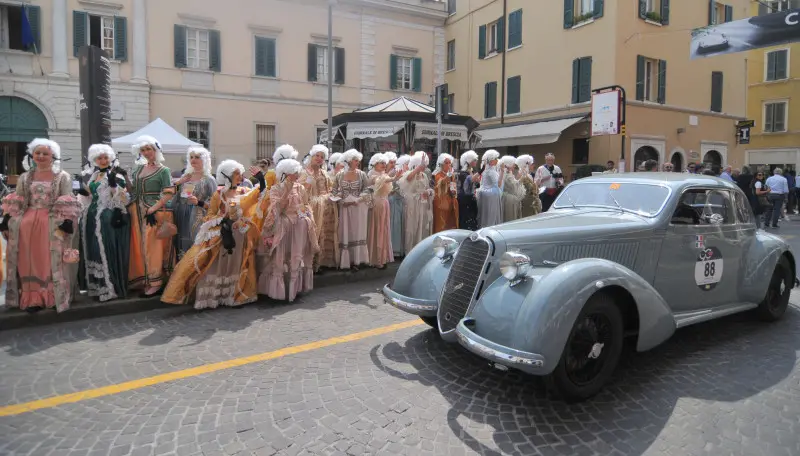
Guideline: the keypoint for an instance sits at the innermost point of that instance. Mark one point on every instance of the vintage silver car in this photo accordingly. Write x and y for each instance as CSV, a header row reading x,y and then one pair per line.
x,y
617,257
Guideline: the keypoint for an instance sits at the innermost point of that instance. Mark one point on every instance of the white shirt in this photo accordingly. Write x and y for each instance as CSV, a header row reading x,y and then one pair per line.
x,y
543,173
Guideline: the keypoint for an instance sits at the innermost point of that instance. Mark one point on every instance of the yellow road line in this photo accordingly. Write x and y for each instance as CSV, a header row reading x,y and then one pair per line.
x,y
55,401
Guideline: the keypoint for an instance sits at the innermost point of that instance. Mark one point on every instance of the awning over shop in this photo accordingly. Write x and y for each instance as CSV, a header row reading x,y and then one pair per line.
x,y
373,129
546,132
428,130
323,136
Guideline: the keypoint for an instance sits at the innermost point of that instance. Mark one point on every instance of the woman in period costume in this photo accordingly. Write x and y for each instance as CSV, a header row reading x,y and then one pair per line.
x,y
418,194
513,191
192,197
397,208
105,233
289,237
39,222
379,237
219,269
550,177
490,209
467,204
318,186
351,187
152,227
531,204
445,201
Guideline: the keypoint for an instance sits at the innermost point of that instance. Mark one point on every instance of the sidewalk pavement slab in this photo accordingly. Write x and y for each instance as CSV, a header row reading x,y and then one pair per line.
x,y
84,307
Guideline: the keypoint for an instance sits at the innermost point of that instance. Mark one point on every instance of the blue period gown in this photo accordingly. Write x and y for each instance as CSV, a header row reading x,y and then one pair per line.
x,y
490,193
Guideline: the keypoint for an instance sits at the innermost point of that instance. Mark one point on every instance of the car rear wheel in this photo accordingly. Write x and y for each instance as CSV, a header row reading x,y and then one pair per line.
x,y
433,322
591,353
780,288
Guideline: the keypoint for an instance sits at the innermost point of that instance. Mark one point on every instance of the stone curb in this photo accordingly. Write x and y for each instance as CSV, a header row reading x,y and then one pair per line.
x,y
83,308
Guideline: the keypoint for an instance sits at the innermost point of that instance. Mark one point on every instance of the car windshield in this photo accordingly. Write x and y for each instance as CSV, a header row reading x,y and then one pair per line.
x,y
644,199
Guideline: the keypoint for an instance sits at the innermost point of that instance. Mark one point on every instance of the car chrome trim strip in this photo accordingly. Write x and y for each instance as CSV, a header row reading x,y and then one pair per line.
x,y
503,355
420,307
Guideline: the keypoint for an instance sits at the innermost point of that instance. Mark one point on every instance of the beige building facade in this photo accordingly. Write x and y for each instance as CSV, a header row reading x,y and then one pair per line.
x,y
240,77
527,75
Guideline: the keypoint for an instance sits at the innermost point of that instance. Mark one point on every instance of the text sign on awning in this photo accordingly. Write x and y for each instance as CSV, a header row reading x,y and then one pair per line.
x,y
373,130
452,132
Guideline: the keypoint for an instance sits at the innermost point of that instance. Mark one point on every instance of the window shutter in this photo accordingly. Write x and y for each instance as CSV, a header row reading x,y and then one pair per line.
x,y
261,44
665,12
569,13
339,66
576,77
662,81
78,31
482,42
312,63
711,11
643,9
768,118
416,78
180,46
771,66
779,116
501,34
781,68
214,51
716,91
35,20
515,29
513,97
486,100
728,13
493,99
585,83
393,72
640,77
120,38
272,58
600,6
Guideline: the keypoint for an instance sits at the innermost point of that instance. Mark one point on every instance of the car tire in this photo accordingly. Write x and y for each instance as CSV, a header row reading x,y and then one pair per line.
x,y
433,322
575,379
776,301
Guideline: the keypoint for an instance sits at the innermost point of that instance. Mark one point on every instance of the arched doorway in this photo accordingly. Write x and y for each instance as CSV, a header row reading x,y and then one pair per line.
x,y
20,122
643,154
712,158
677,162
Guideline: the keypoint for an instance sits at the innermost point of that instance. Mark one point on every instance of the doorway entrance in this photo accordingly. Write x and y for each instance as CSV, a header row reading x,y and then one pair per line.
x,y
643,154
20,122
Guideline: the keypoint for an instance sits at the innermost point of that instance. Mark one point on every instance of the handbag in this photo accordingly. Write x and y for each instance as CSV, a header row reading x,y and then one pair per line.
x,y
71,256
167,230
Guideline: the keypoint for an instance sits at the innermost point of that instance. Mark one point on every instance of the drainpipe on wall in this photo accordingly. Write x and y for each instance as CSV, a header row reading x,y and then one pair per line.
x,y
503,65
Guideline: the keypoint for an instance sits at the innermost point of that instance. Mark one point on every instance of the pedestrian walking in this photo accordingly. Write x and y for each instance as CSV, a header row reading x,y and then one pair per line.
x,y
779,188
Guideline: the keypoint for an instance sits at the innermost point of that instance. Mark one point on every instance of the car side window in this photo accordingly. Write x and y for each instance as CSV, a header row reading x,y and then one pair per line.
x,y
704,207
743,210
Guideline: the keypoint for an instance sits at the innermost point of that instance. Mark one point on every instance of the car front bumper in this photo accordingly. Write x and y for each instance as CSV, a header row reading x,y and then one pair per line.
x,y
531,363
421,307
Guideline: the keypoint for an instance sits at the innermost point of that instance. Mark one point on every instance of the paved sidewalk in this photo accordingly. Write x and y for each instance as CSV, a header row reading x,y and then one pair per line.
x,y
84,307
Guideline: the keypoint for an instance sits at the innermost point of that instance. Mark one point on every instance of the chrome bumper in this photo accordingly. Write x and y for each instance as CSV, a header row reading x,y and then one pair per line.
x,y
421,307
531,363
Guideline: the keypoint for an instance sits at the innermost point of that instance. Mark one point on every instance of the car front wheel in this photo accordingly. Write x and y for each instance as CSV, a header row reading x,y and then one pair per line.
x,y
780,289
592,351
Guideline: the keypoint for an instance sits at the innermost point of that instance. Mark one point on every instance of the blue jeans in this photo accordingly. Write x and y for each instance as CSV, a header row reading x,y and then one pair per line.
x,y
773,214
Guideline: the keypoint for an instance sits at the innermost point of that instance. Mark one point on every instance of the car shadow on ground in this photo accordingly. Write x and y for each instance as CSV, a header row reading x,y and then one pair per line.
x,y
729,360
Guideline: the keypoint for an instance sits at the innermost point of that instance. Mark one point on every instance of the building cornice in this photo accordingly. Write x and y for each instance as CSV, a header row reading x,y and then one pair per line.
x,y
440,12
101,5
194,20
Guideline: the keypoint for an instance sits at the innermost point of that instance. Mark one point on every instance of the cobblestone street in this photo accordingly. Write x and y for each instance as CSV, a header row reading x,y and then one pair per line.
x,y
728,387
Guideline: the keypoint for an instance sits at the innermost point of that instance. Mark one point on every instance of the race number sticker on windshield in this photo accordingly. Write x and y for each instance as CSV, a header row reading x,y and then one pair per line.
x,y
708,269
614,187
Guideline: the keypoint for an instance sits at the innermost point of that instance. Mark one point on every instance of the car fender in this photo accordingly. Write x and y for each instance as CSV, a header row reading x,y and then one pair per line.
x,y
547,303
421,275
760,261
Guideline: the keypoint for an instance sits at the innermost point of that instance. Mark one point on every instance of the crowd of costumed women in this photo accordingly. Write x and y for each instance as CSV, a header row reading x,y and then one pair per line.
x,y
223,237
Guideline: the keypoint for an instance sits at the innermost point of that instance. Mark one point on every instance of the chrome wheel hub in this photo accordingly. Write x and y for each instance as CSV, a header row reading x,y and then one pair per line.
x,y
596,350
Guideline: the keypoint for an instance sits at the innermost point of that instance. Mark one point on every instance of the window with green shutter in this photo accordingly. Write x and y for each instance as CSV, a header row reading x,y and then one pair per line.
x,y
515,29
197,48
416,80
214,51
651,79
393,72
338,65
581,80
120,38
513,95
109,33
655,11
662,82
490,100
180,46
482,42
716,91
34,14
577,12
266,57
405,73
777,65
775,116
491,38
79,32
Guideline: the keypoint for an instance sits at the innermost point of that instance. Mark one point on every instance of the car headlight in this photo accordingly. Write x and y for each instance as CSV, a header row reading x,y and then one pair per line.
x,y
444,247
514,266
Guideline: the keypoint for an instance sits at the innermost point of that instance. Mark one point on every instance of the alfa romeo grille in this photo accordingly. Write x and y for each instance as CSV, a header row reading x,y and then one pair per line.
x,y
465,274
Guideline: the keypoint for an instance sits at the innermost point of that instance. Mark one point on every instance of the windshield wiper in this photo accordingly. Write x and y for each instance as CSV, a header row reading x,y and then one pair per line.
x,y
619,206
570,201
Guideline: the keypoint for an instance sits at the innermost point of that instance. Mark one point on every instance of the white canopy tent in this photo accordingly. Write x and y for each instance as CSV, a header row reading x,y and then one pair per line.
x,y
171,141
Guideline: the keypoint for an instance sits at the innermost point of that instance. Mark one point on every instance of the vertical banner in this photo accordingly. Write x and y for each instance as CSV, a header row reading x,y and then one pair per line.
x,y
746,34
95,98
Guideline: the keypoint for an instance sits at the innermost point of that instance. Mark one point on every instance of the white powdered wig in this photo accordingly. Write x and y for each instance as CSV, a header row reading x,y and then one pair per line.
x,y
204,154
287,167
378,158
523,161
226,168
508,161
351,155
55,150
467,158
142,141
391,156
284,152
419,158
333,160
488,156
402,161
440,161
319,149
98,150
